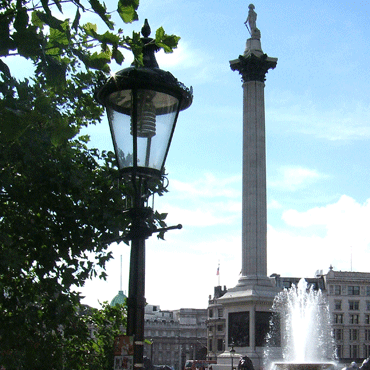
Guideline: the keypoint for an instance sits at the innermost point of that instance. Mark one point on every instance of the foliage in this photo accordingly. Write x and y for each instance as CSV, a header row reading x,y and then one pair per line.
x,y
85,343
99,328
60,202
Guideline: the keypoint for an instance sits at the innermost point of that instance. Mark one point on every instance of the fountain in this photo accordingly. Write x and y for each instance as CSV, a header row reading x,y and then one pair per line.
x,y
302,314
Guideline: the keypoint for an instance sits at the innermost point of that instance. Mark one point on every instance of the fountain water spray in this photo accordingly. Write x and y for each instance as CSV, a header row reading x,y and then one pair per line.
x,y
303,316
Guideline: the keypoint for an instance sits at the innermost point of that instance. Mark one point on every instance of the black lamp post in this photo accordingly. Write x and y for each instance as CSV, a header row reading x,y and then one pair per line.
x,y
232,352
142,104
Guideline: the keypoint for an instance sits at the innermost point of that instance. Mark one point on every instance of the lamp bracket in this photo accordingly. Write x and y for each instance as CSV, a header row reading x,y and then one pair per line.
x,y
142,226
179,226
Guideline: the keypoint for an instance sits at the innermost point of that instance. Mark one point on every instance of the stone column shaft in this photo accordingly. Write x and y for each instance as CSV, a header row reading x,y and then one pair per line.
x,y
254,212
253,66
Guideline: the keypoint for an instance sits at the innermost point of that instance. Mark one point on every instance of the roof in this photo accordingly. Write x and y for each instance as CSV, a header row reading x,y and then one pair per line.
x,y
120,298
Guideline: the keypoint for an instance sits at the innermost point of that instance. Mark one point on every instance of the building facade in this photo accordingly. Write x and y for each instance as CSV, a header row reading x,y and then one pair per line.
x,y
348,295
174,337
349,299
216,324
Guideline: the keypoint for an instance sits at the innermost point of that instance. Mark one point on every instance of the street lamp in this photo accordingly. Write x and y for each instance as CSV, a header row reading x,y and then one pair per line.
x,y
151,351
232,352
143,104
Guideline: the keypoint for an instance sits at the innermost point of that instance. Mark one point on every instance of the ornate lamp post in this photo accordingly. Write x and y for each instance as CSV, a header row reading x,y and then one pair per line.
x,y
143,104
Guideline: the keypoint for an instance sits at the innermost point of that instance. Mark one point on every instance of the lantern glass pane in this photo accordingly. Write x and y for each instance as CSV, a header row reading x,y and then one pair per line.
x,y
156,117
122,139
156,114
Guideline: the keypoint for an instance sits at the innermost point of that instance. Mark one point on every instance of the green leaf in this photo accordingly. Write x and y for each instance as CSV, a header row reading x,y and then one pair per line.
x,y
4,68
27,42
166,42
99,61
90,29
101,10
55,72
21,20
76,21
57,3
51,21
36,21
11,125
127,10
117,56
159,34
45,5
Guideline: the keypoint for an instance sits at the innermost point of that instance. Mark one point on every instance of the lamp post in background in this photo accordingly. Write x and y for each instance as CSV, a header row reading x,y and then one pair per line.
x,y
151,351
232,352
143,104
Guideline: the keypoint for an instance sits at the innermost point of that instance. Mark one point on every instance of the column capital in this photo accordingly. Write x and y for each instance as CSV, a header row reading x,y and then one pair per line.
x,y
252,67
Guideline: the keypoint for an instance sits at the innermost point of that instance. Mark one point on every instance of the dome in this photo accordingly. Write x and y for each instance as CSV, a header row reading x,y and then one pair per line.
x,y
120,298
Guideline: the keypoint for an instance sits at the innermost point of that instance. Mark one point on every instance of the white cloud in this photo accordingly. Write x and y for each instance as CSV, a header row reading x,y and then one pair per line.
x,y
274,204
208,201
209,186
209,215
294,177
346,224
193,64
347,120
181,56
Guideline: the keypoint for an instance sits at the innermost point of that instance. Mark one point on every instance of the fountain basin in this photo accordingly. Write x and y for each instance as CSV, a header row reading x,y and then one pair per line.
x,y
304,366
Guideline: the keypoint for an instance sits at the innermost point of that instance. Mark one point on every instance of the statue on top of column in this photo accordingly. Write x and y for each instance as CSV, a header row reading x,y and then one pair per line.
x,y
251,20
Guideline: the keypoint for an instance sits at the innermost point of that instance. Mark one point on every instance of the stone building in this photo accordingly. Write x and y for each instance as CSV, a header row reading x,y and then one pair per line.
x,y
172,337
348,295
175,336
349,299
216,324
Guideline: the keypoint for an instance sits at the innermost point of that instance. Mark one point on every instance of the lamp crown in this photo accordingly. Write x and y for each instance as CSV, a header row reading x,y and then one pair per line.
x,y
145,30
149,48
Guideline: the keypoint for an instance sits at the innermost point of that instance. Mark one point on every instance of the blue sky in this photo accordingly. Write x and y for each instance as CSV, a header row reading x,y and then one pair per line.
x,y
317,139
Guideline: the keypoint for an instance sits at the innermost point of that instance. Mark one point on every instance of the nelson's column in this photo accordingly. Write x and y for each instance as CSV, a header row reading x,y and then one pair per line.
x,y
247,306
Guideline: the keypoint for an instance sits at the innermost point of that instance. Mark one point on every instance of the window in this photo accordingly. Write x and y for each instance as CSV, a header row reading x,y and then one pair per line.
x,y
367,319
338,318
210,313
354,319
367,305
220,327
354,305
339,350
353,351
337,290
368,290
353,334
367,334
338,334
337,305
220,346
366,350
353,290
220,312
210,345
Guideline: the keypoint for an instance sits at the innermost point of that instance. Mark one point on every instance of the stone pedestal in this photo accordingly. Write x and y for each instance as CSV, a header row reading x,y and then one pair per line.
x,y
227,361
